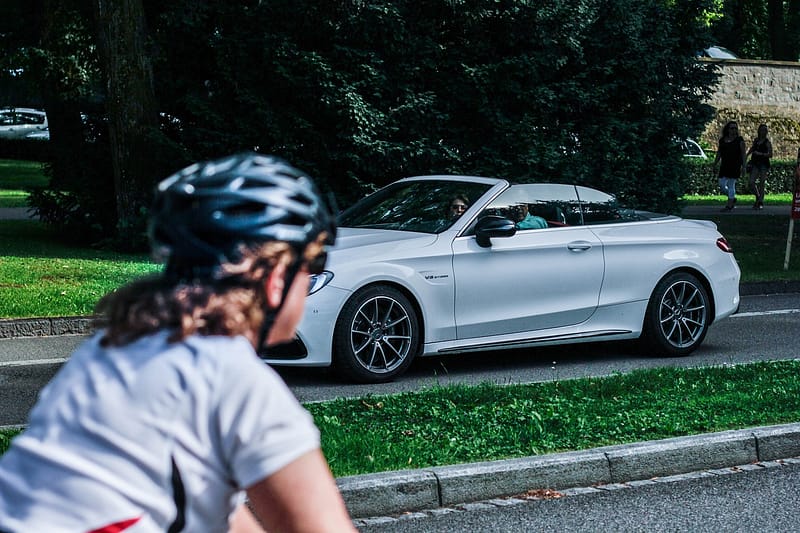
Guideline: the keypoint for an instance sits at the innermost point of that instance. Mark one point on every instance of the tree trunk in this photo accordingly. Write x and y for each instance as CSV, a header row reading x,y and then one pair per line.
x,y
776,28
793,25
63,113
133,118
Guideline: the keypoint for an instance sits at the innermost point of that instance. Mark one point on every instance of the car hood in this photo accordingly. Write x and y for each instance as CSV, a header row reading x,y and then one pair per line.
x,y
361,244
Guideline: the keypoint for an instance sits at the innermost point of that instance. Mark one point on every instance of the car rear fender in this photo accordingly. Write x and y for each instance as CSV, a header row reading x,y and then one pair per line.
x,y
703,280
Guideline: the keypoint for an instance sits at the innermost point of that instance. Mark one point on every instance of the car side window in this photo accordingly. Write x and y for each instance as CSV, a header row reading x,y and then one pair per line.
x,y
538,206
601,208
29,118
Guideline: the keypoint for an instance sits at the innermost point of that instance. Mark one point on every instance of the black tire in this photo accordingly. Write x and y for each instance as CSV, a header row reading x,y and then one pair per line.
x,y
678,315
377,336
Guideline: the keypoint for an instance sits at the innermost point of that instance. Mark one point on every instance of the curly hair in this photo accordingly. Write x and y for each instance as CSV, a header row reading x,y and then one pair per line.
x,y
232,306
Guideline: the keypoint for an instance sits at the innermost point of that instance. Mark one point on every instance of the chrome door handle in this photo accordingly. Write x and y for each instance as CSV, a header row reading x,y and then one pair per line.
x,y
579,246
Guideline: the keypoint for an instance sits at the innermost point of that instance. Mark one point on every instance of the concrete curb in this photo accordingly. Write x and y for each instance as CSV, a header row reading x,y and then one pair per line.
x,y
754,288
392,493
45,326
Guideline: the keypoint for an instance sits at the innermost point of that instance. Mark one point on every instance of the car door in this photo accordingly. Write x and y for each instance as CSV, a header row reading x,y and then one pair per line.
x,y
534,280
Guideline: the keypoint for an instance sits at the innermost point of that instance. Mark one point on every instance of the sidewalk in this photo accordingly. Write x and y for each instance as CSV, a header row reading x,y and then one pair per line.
x,y
14,213
708,210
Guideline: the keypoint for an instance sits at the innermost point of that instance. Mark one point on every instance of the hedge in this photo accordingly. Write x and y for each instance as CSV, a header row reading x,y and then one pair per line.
x,y
703,179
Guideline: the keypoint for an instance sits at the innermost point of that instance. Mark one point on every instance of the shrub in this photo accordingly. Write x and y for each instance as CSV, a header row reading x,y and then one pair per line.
x,y
703,180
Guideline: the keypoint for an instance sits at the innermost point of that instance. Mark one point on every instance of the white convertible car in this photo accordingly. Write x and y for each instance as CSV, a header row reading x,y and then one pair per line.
x,y
522,265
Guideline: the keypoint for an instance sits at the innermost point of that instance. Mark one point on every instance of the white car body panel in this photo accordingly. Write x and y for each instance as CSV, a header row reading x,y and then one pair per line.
x,y
23,123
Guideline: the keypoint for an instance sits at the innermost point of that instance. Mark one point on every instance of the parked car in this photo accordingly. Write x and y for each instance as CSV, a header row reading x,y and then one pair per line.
x,y
692,149
405,279
23,123
718,52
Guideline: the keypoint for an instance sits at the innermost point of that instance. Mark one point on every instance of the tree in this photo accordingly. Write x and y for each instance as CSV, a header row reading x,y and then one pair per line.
x,y
361,93
131,107
760,30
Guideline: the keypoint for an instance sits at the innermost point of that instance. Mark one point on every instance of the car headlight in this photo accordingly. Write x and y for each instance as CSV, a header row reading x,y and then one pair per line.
x,y
317,281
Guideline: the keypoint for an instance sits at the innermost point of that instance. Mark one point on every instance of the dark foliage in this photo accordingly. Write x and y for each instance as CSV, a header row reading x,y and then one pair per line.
x,y
760,29
358,94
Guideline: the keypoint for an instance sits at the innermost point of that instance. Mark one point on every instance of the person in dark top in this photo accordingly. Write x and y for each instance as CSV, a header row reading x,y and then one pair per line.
x,y
731,159
456,206
760,154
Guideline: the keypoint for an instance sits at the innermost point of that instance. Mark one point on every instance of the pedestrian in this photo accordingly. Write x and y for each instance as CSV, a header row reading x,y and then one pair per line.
x,y
731,158
166,418
760,154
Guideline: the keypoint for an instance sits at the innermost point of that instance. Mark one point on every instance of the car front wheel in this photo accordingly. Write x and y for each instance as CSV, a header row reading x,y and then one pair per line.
x,y
377,335
677,315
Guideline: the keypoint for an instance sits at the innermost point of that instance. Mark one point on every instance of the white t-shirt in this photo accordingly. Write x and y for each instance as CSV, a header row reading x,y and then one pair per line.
x,y
100,442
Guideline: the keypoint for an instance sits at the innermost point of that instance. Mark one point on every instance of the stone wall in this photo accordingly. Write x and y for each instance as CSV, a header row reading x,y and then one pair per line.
x,y
754,92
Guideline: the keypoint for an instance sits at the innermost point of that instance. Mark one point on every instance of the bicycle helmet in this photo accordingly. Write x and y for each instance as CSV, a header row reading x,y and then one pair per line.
x,y
202,213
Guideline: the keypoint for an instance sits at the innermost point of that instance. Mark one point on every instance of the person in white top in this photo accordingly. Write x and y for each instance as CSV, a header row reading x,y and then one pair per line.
x,y
166,419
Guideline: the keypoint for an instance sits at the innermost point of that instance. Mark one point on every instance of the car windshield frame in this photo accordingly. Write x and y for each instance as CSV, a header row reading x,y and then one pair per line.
x,y
418,205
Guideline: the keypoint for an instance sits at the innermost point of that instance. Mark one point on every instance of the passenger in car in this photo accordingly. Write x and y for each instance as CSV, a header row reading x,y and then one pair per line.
x,y
525,220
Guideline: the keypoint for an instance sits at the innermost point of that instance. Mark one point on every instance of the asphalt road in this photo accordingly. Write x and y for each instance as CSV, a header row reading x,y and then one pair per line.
x,y
729,500
766,328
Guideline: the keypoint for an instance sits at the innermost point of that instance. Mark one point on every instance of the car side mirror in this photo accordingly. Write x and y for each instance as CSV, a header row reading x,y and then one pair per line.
x,y
493,226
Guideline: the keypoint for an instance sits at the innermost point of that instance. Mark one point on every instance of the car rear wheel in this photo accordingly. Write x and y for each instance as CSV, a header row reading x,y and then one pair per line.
x,y
377,335
677,315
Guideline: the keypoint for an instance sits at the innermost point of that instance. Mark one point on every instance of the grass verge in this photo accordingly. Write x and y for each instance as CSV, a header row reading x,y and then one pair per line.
x,y
462,424
741,199
15,176
759,244
40,277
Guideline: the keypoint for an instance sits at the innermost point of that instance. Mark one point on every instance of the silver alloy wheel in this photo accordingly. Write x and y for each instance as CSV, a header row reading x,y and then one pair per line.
x,y
381,334
682,314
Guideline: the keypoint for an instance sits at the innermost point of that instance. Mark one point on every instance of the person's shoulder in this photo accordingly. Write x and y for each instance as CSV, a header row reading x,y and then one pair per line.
x,y
214,343
220,351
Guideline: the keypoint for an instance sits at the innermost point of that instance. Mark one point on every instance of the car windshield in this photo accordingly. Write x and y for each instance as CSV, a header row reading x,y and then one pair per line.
x,y
427,206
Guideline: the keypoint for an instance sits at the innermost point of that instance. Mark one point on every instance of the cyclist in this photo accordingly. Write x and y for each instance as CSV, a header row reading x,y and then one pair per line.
x,y
166,418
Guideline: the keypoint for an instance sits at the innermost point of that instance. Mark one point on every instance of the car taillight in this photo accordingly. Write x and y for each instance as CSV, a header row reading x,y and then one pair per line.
x,y
723,245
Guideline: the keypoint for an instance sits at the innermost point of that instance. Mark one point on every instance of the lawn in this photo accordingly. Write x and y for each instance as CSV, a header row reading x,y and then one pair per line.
x,y
15,176
742,200
42,277
759,244
461,424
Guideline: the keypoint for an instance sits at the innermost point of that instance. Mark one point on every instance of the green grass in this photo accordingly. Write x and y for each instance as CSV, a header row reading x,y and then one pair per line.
x,y
460,424
741,199
40,277
759,244
15,176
